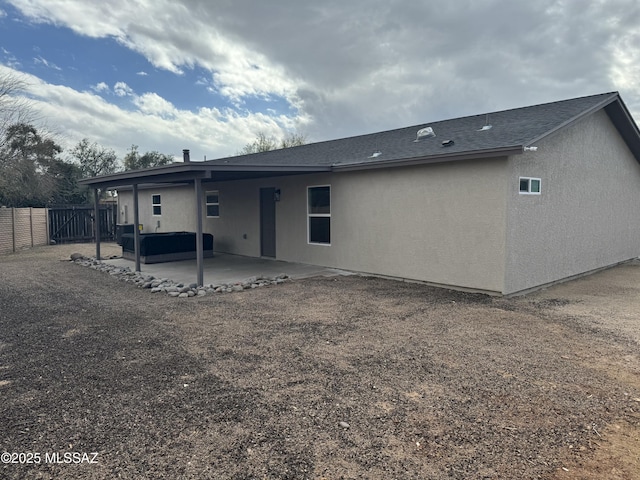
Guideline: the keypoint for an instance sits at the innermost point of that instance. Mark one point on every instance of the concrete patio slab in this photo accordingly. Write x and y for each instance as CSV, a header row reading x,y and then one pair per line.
x,y
225,268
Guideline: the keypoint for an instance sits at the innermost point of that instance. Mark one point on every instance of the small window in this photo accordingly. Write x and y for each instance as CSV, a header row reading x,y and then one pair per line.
x,y
530,186
212,200
319,214
157,205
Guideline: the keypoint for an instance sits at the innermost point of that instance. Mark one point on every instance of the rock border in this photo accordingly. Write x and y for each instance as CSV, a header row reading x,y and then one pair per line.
x,y
171,287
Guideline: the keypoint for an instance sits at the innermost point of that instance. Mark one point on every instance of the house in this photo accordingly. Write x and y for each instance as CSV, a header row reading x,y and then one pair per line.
x,y
500,202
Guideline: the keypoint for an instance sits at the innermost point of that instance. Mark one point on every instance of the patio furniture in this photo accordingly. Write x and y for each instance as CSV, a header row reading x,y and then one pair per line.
x,y
166,247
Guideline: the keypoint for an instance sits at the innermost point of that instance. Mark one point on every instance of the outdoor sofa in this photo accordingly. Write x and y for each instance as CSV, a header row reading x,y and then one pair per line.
x,y
165,247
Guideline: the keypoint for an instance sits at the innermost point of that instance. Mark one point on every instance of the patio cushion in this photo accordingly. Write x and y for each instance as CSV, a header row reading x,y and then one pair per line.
x,y
163,243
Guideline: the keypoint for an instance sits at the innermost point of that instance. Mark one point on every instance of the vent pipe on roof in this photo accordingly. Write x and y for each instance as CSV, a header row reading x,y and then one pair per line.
x,y
185,155
425,132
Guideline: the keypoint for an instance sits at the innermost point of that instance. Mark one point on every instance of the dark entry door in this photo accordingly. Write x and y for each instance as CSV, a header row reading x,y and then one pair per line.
x,y
267,222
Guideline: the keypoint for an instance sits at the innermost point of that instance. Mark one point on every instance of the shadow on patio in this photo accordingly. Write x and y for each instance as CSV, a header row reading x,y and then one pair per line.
x,y
225,268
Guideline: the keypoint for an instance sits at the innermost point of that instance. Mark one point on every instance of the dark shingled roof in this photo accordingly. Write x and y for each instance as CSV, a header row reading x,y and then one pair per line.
x,y
511,129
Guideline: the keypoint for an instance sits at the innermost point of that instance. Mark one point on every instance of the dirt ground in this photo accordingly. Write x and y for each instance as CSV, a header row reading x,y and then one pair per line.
x,y
428,383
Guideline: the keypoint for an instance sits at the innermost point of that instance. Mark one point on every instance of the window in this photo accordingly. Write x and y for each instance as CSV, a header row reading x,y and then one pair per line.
x,y
319,214
212,200
157,205
530,186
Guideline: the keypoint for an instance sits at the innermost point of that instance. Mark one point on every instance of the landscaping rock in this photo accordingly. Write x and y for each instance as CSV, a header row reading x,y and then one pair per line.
x,y
168,286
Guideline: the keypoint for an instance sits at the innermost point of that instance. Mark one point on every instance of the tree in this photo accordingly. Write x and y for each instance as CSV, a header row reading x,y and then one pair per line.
x,y
293,140
14,107
94,159
134,161
262,143
26,160
67,191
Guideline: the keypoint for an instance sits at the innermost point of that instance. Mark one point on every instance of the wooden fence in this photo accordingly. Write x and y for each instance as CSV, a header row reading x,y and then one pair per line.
x,y
22,228
75,223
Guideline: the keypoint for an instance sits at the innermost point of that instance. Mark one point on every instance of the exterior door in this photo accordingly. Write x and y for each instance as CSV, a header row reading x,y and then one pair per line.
x,y
268,222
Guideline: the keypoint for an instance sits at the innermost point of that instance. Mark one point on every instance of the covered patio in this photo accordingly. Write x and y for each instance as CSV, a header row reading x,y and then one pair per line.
x,y
195,174
227,269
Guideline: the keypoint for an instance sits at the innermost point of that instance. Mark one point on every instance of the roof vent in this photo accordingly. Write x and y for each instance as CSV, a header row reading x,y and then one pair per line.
x,y
375,154
484,128
447,143
426,132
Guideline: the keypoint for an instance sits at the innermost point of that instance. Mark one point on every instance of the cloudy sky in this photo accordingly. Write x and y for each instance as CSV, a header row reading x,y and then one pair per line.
x,y
209,74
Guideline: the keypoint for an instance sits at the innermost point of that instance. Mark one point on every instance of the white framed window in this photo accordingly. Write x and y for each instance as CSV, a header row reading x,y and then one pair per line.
x,y
530,186
156,205
212,201
319,214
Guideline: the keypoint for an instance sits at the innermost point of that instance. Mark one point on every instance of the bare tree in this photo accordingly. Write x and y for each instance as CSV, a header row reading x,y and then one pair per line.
x,y
293,140
15,107
262,143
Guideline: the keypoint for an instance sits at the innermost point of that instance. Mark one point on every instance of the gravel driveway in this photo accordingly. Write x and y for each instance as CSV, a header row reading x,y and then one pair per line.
x,y
326,378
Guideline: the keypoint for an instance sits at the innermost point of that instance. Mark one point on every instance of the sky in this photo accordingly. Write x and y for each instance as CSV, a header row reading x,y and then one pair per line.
x,y
208,75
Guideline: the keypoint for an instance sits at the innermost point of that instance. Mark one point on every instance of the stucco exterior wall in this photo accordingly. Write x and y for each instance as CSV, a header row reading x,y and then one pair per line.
x,y
587,215
440,223
178,209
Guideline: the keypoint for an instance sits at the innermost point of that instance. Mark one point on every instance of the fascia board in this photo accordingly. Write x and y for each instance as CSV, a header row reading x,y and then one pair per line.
x,y
454,157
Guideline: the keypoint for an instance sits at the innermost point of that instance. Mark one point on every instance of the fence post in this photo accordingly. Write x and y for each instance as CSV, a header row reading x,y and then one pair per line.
x,y
13,225
31,224
46,216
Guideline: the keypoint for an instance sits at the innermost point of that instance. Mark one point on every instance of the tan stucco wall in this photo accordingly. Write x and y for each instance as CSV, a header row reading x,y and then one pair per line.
x,y
438,223
442,223
178,208
587,216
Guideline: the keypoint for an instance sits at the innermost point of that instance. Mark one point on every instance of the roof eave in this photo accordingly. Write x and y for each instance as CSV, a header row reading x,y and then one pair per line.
x,y
441,158
189,172
610,99
626,125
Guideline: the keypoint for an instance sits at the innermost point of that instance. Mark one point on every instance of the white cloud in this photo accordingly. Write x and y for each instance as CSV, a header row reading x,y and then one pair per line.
x,y
142,74
10,59
121,89
100,87
360,66
164,33
39,60
154,104
2,13
155,125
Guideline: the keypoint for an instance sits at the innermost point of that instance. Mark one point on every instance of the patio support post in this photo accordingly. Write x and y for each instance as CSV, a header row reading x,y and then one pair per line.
x,y
199,242
96,220
136,230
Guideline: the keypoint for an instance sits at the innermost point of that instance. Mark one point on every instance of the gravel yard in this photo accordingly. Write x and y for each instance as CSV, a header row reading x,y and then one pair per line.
x,y
324,378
